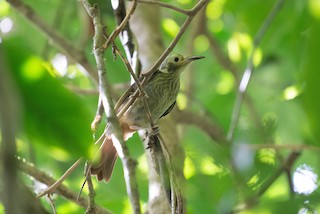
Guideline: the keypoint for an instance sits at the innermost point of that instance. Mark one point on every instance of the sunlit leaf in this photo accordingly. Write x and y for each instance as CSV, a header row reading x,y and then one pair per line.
x,y
201,44
170,26
4,8
314,7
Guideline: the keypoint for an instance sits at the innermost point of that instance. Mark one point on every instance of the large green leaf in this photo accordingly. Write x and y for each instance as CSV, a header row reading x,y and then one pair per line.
x,y
312,96
52,115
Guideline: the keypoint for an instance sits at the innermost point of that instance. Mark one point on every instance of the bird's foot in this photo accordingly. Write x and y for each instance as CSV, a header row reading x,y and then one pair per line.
x,y
153,136
154,131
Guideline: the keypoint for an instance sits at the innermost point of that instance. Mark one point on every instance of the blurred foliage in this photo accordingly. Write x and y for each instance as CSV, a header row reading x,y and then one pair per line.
x,y
282,109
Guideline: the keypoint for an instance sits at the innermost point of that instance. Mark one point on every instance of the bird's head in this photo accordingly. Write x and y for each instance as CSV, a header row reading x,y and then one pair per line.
x,y
176,63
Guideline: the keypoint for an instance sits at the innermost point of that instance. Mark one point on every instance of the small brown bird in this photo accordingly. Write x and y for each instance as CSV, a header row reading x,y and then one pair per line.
x,y
162,90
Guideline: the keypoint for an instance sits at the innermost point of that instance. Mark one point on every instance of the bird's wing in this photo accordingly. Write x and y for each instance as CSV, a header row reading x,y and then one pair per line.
x,y
169,109
130,91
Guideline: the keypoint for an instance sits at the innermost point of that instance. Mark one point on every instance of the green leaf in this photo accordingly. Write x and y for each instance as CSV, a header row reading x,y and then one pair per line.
x,y
52,115
312,96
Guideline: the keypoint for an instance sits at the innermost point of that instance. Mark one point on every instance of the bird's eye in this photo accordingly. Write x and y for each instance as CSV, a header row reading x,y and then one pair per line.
x,y
176,59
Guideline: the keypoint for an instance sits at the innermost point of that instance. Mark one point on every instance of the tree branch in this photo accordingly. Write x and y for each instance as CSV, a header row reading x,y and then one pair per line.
x,y
121,26
54,186
165,5
250,68
92,208
193,12
62,190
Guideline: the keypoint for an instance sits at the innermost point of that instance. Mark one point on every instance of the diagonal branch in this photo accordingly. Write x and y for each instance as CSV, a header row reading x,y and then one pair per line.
x,y
55,185
121,26
250,68
193,12
62,190
165,5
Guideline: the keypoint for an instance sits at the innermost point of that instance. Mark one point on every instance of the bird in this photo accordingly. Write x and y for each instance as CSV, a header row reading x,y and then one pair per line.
x,y
161,90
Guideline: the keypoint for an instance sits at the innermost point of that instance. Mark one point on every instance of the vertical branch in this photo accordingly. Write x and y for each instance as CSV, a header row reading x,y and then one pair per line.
x,y
91,204
106,99
250,68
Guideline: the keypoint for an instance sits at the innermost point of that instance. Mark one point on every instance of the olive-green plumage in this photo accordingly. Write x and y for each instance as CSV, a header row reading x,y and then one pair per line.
x,y
162,90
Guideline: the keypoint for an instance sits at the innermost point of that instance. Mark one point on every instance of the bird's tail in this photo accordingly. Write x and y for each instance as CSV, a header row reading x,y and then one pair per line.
x,y
103,169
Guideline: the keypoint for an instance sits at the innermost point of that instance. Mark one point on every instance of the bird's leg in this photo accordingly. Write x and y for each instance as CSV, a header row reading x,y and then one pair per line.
x,y
154,131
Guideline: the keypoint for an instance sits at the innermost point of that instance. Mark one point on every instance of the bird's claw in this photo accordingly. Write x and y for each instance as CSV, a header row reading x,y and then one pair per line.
x,y
154,131
152,134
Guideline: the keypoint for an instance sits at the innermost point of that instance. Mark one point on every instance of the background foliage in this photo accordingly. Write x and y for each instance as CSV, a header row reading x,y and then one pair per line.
x,y
279,115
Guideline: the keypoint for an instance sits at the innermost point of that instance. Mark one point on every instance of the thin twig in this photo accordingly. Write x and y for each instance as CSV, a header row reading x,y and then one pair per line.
x,y
165,5
53,206
92,209
120,27
54,186
130,70
290,181
250,68
193,13
62,190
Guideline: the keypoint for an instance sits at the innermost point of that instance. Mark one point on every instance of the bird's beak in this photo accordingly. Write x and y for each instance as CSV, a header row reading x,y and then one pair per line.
x,y
192,58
